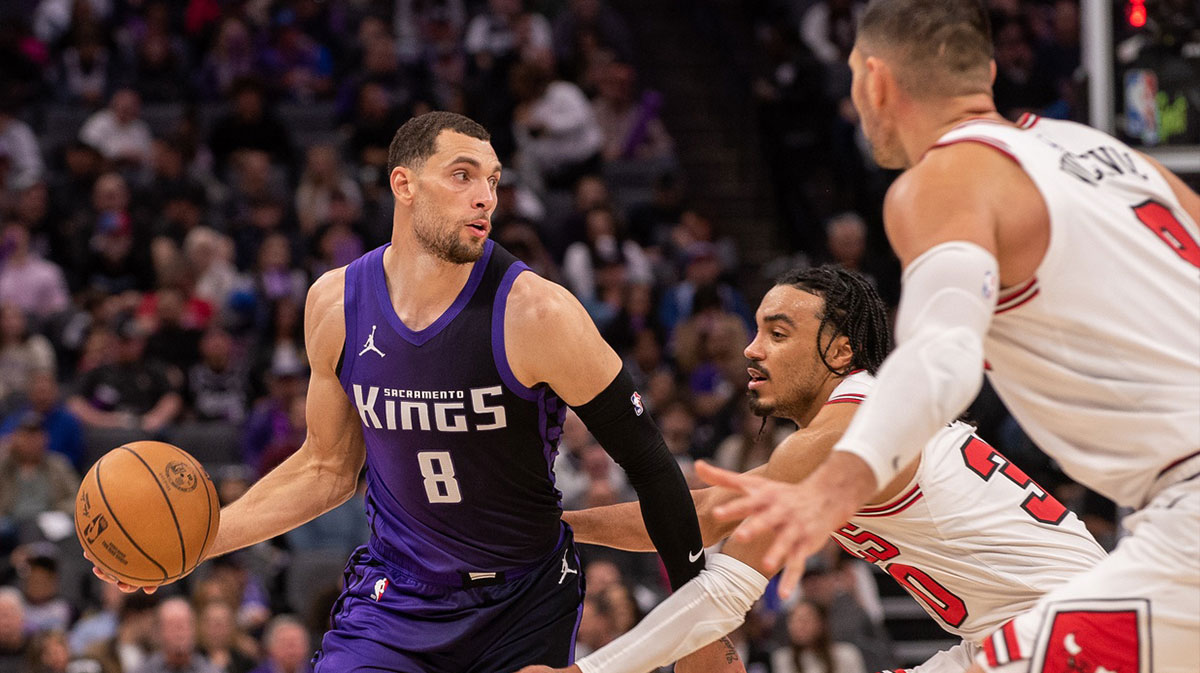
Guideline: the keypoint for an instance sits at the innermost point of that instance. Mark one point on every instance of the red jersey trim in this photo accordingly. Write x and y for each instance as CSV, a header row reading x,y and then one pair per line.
x,y
896,506
846,399
990,142
1019,296
1027,121
1002,646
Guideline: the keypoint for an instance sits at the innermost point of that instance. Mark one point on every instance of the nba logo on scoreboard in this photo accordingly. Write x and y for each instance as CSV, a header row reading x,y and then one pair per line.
x,y
637,403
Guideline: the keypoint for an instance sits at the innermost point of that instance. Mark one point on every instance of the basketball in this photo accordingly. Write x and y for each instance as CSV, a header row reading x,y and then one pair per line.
x,y
146,513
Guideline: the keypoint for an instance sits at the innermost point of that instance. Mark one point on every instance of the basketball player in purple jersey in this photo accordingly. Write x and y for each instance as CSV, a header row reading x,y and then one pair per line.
x,y
447,367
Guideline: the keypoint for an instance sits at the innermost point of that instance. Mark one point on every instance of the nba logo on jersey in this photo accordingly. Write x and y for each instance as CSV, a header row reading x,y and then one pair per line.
x,y
637,403
380,587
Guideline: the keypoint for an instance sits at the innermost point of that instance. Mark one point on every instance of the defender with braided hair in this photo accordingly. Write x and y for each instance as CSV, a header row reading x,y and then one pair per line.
x,y
942,529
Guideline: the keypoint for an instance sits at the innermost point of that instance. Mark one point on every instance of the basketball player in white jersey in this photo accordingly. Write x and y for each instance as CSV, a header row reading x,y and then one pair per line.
x,y
1067,265
944,528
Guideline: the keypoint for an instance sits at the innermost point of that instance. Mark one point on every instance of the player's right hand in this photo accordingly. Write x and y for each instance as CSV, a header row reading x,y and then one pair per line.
x,y
127,588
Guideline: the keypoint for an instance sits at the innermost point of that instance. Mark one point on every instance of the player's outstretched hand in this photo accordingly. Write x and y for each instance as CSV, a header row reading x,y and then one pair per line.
x,y
718,656
799,516
127,588
546,669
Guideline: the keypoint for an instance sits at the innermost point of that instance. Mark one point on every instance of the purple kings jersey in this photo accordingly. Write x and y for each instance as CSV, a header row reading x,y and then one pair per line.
x,y
459,453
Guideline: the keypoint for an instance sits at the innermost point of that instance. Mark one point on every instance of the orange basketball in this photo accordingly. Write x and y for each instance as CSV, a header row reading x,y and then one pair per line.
x,y
146,513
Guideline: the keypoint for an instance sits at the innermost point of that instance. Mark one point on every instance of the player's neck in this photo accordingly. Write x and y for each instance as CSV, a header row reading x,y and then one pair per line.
x,y
803,418
420,284
930,120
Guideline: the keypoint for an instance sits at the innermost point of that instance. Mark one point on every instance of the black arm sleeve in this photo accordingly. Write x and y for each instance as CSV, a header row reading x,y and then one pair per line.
x,y
619,421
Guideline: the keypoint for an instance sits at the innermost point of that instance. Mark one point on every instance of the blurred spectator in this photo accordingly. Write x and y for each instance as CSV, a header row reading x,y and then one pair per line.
x,y
846,241
506,29
97,626
828,28
281,345
160,66
271,420
341,529
33,480
119,132
604,244
703,268
405,86
116,257
74,192
323,175
635,316
176,630
596,627
299,65
22,353
275,278
27,281
48,652
209,256
231,59
221,642
175,322
287,647
373,123
132,392
64,434
131,645
830,581
810,648
678,425
337,243
585,26
19,147
521,239
45,609
170,187
249,125
52,19
650,223
14,643
1020,86
84,72
216,386
420,25
631,125
752,443
557,135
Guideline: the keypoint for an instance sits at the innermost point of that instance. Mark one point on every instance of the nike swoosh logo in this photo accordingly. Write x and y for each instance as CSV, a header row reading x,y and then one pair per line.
x,y
692,557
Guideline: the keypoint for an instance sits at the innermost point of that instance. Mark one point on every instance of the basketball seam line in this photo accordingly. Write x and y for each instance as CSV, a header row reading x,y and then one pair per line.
x,y
83,541
208,499
100,487
170,507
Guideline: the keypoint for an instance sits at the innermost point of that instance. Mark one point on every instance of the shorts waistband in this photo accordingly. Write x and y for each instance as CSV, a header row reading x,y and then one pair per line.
x,y
463,579
1183,469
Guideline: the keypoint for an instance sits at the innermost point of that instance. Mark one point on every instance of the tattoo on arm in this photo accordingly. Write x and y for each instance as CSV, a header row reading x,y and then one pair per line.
x,y
731,654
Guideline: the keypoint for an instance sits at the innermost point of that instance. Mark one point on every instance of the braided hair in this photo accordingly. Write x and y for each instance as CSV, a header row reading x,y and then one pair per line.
x,y
852,308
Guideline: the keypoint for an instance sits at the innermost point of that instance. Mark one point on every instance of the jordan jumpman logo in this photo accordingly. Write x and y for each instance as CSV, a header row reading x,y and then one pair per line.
x,y
370,345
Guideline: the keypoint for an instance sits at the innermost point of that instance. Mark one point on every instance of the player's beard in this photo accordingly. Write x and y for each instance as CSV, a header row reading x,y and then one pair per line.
x,y
441,241
787,401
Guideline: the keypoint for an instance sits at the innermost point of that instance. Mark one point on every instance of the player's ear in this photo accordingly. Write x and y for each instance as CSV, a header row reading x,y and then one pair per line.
x,y
402,179
879,80
840,354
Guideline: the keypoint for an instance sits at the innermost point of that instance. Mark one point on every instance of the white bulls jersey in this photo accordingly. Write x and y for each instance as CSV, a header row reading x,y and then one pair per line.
x,y
971,537
1098,355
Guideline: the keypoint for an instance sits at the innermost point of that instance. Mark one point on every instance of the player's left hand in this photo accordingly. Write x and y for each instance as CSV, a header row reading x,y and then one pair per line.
x,y
799,516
